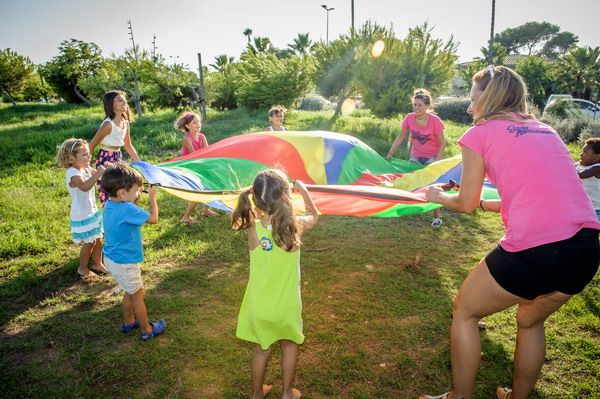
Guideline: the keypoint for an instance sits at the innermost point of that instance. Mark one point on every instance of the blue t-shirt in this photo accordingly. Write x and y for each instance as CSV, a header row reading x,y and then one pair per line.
x,y
123,232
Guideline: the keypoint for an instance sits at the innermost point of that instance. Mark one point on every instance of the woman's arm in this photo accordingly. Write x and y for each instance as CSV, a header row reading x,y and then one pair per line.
x,y
103,131
397,143
309,220
471,182
442,140
129,147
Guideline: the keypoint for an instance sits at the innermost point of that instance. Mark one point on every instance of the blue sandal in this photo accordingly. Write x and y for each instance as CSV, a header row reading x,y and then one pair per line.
x,y
158,327
125,328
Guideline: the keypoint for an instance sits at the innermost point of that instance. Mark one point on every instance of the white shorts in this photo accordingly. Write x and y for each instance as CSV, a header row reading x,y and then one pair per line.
x,y
127,275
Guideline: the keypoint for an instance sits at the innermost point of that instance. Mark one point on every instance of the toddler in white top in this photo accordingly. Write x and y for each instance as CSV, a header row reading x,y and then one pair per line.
x,y
86,220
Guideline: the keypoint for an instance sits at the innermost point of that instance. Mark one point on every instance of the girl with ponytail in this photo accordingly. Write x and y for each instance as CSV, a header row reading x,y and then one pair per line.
x,y
271,310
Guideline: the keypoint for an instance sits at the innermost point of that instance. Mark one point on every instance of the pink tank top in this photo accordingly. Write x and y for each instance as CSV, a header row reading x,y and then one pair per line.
x,y
198,143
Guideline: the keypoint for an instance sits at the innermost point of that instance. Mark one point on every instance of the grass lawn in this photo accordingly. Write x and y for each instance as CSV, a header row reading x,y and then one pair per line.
x,y
377,293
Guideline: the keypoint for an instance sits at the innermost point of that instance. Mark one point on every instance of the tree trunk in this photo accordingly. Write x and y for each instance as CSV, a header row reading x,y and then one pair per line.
x,y
342,96
3,90
80,95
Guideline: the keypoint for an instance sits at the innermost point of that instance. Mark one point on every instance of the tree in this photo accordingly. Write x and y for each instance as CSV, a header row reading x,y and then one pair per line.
x,y
537,74
559,44
248,33
14,69
301,44
336,61
265,80
387,82
578,72
76,60
221,61
529,36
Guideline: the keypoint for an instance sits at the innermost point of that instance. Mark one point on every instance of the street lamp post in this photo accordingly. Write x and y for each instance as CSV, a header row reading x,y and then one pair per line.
x,y
327,9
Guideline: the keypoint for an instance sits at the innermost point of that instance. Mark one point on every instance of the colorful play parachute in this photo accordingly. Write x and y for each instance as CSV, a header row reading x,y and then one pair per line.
x,y
345,176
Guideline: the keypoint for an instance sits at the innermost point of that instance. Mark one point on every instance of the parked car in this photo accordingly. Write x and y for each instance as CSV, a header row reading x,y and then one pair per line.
x,y
572,107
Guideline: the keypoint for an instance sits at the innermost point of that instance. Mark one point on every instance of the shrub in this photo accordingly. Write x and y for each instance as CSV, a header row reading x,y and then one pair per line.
x,y
591,130
454,110
568,129
314,102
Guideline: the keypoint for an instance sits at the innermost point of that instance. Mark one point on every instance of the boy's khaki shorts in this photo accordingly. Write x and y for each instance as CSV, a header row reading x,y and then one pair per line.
x,y
127,275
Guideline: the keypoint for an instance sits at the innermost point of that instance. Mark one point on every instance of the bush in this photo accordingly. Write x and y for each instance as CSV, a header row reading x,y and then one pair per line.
x,y
568,129
454,110
591,130
314,102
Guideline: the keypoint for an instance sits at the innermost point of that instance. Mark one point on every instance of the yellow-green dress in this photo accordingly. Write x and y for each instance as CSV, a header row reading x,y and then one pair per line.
x,y
272,307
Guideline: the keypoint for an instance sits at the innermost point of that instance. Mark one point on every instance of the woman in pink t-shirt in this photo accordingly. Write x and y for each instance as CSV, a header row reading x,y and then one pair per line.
x,y
550,250
427,137
193,140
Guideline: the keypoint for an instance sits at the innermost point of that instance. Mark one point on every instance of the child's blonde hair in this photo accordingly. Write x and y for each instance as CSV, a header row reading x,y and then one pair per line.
x,y
270,194
425,96
109,98
504,95
185,119
67,151
277,109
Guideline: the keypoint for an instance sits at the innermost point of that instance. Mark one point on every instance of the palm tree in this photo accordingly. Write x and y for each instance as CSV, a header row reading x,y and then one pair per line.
x,y
221,61
248,33
302,44
578,72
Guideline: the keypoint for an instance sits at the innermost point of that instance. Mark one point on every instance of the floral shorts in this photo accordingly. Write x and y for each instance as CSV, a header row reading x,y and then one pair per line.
x,y
105,156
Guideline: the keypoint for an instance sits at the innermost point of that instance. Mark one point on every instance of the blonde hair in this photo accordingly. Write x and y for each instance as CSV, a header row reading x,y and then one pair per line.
x,y
108,100
67,151
270,195
277,109
504,95
425,96
185,119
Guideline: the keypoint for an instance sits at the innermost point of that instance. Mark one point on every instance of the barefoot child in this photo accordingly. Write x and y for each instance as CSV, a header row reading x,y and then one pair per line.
x,y
588,168
271,311
123,250
193,140
86,221
113,133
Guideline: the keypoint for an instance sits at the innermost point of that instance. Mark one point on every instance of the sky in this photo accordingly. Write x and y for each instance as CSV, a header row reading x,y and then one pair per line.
x,y
184,28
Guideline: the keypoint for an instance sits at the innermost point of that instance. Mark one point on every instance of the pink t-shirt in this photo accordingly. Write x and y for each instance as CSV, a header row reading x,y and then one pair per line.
x,y
425,143
543,199
197,144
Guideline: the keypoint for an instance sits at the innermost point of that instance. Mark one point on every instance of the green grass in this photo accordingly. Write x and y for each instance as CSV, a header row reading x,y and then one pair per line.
x,y
377,293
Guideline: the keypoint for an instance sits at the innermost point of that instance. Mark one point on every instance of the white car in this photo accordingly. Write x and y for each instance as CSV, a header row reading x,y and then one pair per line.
x,y
578,108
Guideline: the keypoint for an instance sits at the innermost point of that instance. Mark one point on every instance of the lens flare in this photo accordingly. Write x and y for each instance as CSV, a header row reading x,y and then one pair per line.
x,y
378,48
348,106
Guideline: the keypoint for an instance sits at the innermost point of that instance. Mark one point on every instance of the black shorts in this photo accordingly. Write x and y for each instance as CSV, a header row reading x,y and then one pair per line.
x,y
566,266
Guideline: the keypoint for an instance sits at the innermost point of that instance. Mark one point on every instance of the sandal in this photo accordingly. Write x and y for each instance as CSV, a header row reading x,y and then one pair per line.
x,y
99,271
125,328
158,327
442,396
503,393
208,213
188,221
87,275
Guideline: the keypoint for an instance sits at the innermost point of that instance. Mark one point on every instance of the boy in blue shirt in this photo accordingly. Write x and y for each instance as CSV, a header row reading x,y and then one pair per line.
x,y
123,252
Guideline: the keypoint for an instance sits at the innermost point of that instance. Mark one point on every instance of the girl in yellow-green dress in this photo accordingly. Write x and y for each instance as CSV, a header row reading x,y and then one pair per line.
x,y
272,308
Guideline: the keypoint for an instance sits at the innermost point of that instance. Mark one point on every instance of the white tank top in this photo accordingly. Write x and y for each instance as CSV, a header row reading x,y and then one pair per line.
x,y
283,129
591,185
116,138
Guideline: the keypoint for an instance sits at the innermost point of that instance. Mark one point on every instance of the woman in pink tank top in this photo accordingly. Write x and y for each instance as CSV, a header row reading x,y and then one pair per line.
x,y
193,140
550,249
